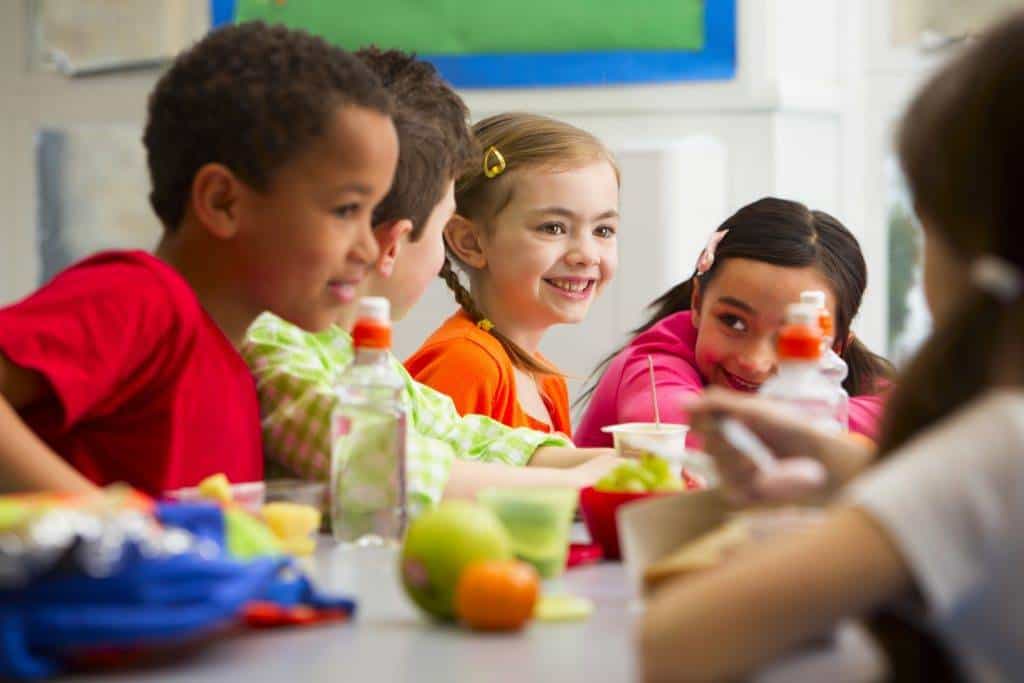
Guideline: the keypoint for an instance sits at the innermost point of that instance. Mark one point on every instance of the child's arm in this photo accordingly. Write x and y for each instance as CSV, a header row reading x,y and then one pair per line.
x,y
466,477
554,456
481,438
26,463
295,372
723,624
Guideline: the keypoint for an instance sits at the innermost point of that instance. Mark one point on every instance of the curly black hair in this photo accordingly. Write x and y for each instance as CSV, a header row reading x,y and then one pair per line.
x,y
251,97
435,140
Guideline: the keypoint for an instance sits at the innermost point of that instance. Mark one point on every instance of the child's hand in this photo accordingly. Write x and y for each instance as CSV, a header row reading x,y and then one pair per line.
x,y
589,472
801,450
570,456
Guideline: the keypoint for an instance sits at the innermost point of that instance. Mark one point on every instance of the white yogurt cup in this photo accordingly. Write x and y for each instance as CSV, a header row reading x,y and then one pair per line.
x,y
667,441
632,439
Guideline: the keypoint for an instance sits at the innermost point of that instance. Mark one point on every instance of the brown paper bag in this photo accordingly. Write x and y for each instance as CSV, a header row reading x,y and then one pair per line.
x,y
673,536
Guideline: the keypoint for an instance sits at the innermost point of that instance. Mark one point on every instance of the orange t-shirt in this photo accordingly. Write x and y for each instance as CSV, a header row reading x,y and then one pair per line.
x,y
471,366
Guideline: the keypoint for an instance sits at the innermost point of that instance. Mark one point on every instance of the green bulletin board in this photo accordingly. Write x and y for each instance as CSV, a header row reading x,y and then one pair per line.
x,y
524,43
459,27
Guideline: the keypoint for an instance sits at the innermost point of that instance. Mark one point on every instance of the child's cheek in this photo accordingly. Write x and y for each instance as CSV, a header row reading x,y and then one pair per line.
x,y
708,356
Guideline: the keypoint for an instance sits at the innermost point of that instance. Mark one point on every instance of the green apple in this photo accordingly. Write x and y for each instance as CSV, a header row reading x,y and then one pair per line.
x,y
440,543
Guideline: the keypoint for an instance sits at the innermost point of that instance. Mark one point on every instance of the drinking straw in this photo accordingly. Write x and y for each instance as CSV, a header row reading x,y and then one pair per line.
x,y
654,391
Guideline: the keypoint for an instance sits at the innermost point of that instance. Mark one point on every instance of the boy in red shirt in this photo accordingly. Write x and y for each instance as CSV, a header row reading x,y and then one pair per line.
x,y
268,150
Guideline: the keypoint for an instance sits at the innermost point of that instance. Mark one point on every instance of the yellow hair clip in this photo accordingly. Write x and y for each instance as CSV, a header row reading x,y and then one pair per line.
x,y
485,325
494,162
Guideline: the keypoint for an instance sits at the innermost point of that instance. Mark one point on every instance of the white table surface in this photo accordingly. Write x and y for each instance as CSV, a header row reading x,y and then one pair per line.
x,y
390,641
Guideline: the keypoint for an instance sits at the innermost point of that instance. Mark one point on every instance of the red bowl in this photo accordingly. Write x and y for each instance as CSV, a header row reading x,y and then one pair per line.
x,y
598,509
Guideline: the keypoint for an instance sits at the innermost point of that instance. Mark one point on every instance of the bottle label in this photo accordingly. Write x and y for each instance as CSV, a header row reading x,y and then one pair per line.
x,y
368,497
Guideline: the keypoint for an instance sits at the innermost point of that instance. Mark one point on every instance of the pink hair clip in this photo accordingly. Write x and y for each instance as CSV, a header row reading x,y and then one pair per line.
x,y
707,257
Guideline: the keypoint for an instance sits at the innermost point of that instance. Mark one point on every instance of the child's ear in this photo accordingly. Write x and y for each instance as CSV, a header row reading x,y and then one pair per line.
x,y
214,199
695,302
460,235
389,238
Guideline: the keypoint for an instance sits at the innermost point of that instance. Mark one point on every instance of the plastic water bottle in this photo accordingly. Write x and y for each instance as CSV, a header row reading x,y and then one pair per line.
x,y
799,382
832,366
368,432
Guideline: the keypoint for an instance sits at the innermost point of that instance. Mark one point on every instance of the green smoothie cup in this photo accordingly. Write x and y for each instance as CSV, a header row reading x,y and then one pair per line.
x,y
538,523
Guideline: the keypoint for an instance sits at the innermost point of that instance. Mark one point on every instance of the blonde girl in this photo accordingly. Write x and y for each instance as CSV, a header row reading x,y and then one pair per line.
x,y
535,233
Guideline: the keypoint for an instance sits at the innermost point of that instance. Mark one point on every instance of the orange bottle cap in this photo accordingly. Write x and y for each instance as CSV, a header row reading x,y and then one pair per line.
x,y
369,333
826,323
799,341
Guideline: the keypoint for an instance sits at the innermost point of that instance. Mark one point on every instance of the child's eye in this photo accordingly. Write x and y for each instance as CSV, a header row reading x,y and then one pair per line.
x,y
346,210
552,228
605,231
733,322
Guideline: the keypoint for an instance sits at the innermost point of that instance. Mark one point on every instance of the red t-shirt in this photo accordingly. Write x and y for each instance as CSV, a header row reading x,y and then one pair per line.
x,y
148,390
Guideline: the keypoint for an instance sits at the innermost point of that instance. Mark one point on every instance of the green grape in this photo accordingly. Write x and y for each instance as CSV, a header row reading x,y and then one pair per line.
x,y
634,486
649,473
656,466
670,484
630,467
661,472
659,464
649,479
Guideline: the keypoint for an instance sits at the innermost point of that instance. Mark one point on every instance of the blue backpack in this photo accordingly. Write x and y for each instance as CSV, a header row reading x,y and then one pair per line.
x,y
145,602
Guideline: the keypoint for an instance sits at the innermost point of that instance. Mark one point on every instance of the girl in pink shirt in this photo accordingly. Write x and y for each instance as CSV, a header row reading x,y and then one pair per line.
x,y
719,326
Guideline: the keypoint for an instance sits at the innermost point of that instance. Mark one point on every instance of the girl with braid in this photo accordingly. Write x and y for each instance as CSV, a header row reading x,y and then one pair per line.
x,y
535,234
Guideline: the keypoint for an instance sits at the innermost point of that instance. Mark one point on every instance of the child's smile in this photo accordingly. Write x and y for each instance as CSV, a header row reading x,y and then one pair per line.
x,y
738,383
573,288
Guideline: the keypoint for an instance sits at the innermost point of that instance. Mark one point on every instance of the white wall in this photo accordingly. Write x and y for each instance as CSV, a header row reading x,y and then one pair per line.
x,y
31,100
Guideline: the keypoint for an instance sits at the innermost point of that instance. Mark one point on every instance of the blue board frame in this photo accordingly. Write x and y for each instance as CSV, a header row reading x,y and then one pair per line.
x,y
716,61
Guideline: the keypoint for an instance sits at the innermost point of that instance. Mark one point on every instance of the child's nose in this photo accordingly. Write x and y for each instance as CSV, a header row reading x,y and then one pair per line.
x,y
760,360
583,252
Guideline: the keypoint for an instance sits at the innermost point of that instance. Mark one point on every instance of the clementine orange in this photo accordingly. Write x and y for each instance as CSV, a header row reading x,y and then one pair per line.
x,y
496,595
